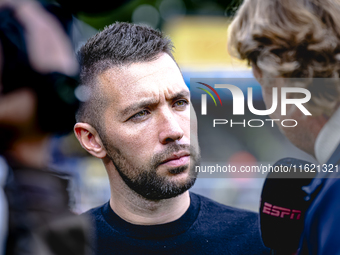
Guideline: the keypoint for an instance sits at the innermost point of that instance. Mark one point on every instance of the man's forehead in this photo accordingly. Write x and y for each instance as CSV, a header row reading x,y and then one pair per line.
x,y
162,73
124,76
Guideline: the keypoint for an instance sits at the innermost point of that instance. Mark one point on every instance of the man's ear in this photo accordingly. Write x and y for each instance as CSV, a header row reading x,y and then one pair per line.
x,y
89,139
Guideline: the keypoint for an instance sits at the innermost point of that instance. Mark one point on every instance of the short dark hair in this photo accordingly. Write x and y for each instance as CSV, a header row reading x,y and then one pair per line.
x,y
117,45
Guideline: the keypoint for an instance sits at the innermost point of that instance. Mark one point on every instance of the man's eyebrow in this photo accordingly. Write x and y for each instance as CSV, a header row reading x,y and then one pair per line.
x,y
144,103
179,95
139,105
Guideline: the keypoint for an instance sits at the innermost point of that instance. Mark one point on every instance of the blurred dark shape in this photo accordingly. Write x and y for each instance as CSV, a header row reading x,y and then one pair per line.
x,y
40,221
232,8
38,72
90,7
66,236
283,206
55,91
56,101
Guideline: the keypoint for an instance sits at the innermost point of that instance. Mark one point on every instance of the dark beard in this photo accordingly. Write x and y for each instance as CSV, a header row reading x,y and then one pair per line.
x,y
146,182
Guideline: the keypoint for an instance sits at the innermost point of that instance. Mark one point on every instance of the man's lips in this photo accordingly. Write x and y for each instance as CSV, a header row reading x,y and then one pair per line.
x,y
177,159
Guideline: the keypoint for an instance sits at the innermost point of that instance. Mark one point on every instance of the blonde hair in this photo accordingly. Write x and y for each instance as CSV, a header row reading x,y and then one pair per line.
x,y
292,39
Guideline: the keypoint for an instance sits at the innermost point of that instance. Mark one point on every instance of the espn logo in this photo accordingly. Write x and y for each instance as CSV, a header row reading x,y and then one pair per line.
x,y
278,211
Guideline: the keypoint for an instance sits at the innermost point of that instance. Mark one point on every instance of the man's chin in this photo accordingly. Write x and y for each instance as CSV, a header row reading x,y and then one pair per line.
x,y
163,182
177,175
178,187
173,185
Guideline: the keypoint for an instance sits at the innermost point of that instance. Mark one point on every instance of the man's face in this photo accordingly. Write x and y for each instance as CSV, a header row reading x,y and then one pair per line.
x,y
147,127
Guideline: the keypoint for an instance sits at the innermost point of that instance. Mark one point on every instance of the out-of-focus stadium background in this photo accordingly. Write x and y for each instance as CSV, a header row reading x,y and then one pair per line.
x,y
198,29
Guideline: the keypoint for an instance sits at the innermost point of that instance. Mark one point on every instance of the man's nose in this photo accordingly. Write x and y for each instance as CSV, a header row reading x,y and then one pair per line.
x,y
170,129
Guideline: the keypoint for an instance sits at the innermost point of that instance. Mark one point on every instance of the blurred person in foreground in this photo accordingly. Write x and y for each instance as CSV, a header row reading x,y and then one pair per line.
x,y
139,120
37,80
285,39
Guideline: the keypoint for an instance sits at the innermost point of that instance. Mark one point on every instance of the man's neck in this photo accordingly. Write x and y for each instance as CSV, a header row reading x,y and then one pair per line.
x,y
135,209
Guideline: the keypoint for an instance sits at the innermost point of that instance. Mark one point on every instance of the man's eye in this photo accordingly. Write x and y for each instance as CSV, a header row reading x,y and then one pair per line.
x,y
181,103
139,115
